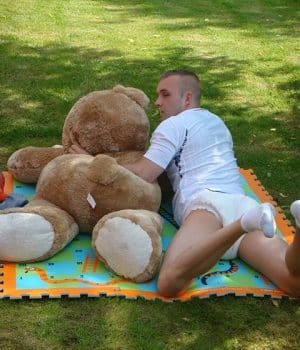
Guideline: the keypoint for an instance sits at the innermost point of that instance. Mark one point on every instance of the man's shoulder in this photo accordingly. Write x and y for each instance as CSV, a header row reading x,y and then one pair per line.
x,y
172,129
194,115
167,123
206,116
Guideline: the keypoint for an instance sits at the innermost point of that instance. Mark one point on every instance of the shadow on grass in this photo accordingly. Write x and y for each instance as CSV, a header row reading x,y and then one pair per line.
x,y
115,323
217,323
55,324
40,85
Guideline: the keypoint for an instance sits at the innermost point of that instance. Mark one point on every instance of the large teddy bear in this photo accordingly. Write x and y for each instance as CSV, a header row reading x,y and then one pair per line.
x,y
90,193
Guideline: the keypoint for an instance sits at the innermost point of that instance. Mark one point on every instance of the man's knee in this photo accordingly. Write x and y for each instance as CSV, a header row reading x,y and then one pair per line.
x,y
169,284
163,286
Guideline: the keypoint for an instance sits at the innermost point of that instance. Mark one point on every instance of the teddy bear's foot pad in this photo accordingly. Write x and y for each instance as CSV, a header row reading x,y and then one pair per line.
x,y
125,247
24,236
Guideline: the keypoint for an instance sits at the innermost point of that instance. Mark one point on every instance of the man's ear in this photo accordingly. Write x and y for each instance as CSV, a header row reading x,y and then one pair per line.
x,y
188,100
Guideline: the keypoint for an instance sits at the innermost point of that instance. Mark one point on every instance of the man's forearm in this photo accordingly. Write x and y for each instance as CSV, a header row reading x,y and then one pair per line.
x,y
145,169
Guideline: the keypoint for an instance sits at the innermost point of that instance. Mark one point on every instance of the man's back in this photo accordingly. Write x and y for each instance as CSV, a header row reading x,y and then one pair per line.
x,y
197,146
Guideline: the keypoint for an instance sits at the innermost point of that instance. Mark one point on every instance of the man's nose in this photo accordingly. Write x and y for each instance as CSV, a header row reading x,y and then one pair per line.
x,y
157,102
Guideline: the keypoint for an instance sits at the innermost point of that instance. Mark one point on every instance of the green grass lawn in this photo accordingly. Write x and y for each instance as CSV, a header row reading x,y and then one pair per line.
x,y
247,56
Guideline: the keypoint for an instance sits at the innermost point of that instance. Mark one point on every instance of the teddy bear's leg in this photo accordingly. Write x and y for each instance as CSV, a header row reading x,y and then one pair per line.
x,y
34,232
26,164
129,243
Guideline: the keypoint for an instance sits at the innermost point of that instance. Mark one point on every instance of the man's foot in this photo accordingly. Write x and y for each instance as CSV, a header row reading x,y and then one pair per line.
x,y
295,210
261,218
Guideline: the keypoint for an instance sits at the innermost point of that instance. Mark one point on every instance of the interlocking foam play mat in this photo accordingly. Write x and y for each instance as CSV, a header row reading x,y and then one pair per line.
x,y
76,272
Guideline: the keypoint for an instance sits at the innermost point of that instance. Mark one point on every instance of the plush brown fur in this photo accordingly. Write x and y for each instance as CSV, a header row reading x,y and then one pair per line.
x,y
67,180
75,191
102,121
27,163
123,125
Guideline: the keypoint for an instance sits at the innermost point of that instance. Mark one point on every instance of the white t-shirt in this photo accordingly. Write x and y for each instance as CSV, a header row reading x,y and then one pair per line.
x,y
195,148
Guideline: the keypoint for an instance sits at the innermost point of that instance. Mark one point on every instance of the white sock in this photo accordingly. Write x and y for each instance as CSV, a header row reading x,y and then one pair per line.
x,y
295,210
261,218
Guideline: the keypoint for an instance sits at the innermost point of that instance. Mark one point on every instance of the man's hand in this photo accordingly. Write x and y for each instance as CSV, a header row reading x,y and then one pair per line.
x,y
76,149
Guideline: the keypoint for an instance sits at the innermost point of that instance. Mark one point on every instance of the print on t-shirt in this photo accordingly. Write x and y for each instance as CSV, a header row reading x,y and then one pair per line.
x,y
178,154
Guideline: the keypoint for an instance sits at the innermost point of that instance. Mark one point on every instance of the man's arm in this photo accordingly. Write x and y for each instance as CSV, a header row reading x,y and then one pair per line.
x,y
145,168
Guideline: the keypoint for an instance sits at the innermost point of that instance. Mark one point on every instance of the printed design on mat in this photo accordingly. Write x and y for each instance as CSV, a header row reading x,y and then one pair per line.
x,y
234,273
76,266
233,267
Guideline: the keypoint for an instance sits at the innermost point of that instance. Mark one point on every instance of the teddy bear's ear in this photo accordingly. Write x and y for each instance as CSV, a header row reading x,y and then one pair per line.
x,y
135,94
103,170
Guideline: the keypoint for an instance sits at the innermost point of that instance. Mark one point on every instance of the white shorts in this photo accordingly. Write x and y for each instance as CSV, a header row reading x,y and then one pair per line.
x,y
227,207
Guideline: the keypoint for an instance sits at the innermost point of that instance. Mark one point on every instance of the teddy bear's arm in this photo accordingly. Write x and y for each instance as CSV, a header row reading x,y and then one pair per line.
x,y
26,164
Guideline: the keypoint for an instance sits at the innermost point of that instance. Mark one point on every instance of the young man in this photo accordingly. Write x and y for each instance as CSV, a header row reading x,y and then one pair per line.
x,y
216,219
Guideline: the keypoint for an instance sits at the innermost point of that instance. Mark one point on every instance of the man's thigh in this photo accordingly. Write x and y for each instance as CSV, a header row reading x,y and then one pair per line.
x,y
194,232
266,255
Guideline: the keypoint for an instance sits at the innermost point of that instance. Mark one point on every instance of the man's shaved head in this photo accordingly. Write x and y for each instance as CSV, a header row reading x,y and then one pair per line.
x,y
188,82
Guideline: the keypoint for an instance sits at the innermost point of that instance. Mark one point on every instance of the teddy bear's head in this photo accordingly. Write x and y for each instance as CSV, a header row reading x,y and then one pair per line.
x,y
108,121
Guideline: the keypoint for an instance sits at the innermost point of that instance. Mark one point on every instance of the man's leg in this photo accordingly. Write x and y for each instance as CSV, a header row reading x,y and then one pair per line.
x,y
201,241
268,257
196,247
292,257
274,258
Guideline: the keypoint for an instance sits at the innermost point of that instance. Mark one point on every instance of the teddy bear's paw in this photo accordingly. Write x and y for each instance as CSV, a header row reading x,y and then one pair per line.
x,y
103,169
24,236
127,248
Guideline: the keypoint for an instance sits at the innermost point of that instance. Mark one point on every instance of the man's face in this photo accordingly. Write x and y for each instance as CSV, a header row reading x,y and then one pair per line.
x,y
169,100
